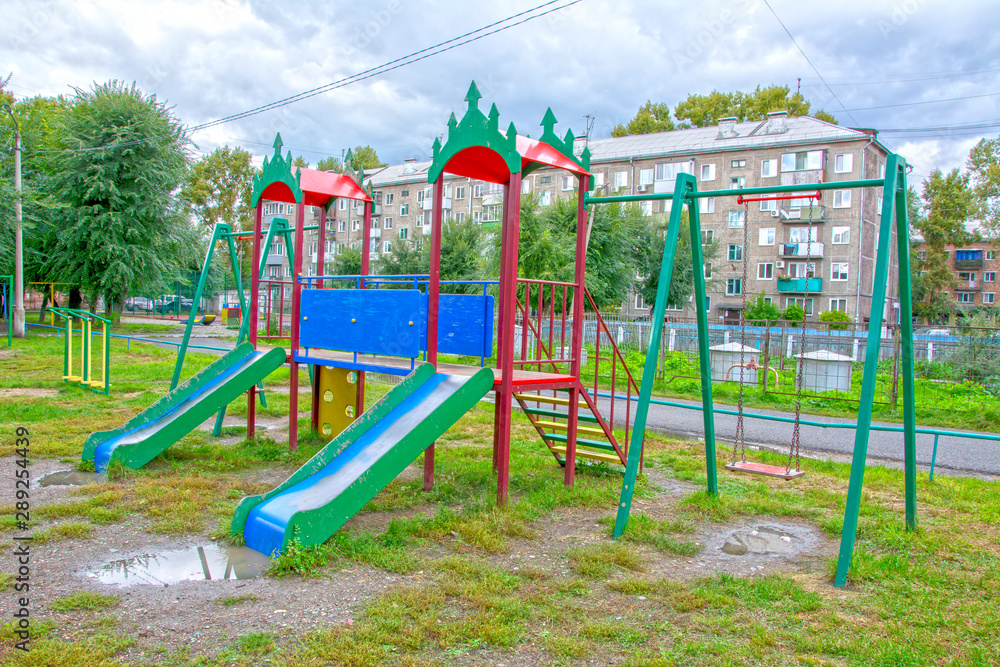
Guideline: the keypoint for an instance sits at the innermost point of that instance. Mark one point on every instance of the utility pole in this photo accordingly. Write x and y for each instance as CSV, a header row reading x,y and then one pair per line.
x,y
18,249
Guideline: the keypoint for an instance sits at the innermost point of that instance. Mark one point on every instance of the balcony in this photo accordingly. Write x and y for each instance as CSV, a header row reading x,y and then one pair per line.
x,y
275,259
376,209
801,215
811,285
966,264
813,249
428,204
802,177
968,286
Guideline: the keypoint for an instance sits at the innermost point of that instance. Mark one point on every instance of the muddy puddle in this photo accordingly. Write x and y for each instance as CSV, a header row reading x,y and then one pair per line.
x,y
71,478
201,563
762,540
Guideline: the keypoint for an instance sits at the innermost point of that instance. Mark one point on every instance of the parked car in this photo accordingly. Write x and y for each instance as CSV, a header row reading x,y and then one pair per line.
x,y
928,331
138,303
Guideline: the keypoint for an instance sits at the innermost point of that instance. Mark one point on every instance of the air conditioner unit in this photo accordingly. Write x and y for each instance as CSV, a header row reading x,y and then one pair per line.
x,y
642,188
780,264
774,213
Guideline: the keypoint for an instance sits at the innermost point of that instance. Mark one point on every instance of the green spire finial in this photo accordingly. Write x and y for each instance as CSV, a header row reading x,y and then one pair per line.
x,y
494,118
277,143
570,138
473,96
548,120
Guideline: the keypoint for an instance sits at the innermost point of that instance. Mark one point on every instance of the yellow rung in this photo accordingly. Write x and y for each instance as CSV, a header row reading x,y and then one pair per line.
x,y
555,426
555,400
586,454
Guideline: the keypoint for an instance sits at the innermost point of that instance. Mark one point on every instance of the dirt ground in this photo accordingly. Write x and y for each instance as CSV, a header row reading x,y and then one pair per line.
x,y
191,614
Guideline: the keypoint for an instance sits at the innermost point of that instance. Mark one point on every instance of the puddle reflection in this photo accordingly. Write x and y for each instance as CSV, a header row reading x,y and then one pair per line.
x,y
202,563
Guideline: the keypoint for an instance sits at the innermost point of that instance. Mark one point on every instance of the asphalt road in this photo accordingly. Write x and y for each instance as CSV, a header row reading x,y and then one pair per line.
x,y
954,453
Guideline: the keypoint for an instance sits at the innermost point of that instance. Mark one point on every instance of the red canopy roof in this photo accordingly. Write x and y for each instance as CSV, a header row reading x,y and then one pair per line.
x,y
318,188
485,164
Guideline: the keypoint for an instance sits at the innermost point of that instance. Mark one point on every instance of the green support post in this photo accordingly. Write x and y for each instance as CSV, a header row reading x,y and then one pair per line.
x,y
892,200
685,183
906,350
182,350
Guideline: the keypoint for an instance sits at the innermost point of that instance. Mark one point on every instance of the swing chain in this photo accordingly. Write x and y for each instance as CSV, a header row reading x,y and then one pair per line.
x,y
793,451
740,439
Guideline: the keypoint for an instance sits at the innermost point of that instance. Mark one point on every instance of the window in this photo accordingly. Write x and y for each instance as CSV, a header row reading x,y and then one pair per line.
x,y
804,304
288,274
802,161
647,208
277,248
737,218
988,297
342,204
708,270
387,199
801,269
765,271
526,186
386,223
477,190
377,196
921,255
708,172
738,164
545,179
545,198
803,235
765,236
967,275
838,270
640,303
404,209
768,168
404,233
735,252
769,205
421,195
567,183
707,236
404,193
645,177
355,225
838,304
342,226
734,286
420,220
705,204
842,199
599,179
843,163
841,236
966,297
991,254
708,303
621,179
492,213
667,171
274,208
990,277
387,246
460,217
737,182
460,192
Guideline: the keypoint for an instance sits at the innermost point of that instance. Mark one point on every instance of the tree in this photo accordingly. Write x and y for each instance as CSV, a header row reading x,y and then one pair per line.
x,y
347,262
946,204
651,117
407,258
838,319
461,254
984,169
760,312
219,187
682,278
365,157
331,164
299,161
794,313
123,227
706,110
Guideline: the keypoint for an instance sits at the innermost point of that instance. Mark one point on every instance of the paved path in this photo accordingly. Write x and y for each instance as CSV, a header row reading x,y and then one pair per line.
x,y
961,454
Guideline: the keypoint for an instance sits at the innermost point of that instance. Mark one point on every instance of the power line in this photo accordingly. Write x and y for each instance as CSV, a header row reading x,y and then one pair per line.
x,y
414,57
911,104
766,2
906,78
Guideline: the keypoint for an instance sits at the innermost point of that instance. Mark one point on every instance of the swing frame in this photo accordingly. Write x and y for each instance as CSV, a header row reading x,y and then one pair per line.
x,y
894,213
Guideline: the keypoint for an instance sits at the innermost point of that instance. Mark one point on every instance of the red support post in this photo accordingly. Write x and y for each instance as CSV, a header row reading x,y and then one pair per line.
x,y
505,355
293,392
501,327
321,248
578,297
365,260
254,301
433,295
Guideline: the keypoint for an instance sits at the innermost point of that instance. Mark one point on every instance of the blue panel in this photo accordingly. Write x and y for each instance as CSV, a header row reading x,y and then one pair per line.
x,y
465,324
387,322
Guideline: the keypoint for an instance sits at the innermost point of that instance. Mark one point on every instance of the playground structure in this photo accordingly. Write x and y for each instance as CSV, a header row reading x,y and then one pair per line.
x,y
343,333
85,378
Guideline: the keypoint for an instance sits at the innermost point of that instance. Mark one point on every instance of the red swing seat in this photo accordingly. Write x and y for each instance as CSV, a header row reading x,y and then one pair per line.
x,y
766,470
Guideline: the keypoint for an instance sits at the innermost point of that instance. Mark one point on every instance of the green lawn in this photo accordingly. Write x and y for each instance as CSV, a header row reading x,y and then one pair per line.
x,y
925,597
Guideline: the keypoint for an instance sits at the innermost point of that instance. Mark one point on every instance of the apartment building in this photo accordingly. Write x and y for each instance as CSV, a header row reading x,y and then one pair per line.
x,y
976,266
820,256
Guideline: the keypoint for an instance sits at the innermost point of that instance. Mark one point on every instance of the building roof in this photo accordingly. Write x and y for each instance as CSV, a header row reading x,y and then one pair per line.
x,y
777,131
798,130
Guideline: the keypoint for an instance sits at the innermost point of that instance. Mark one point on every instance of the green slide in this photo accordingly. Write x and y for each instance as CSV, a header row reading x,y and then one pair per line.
x,y
142,438
337,482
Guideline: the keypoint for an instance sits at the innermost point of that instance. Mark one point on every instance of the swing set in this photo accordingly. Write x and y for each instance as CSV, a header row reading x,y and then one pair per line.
x,y
893,215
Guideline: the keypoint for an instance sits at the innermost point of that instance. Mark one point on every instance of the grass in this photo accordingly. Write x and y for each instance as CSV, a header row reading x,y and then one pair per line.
x,y
465,591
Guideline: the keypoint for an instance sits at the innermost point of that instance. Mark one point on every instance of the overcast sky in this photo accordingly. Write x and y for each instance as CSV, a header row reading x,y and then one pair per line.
x,y
212,58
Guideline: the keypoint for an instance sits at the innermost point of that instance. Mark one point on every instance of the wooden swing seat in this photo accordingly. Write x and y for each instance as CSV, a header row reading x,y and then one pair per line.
x,y
766,470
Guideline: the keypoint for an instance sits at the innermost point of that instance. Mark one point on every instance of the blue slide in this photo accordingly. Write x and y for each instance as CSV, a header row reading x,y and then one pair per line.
x,y
337,482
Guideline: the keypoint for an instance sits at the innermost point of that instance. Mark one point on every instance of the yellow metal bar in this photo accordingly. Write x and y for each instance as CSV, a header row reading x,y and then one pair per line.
x,y
69,350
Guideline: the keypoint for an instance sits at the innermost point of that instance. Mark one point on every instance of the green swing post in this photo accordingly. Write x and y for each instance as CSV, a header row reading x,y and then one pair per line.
x,y
893,209
684,184
238,279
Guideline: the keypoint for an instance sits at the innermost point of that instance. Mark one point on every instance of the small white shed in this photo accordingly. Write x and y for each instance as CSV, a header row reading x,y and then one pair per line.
x,y
824,370
727,356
